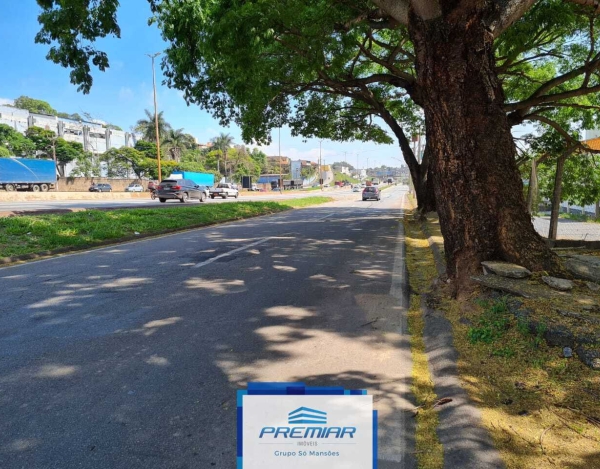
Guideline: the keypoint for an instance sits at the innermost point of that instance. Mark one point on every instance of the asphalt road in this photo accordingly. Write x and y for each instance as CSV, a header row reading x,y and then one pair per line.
x,y
130,356
12,206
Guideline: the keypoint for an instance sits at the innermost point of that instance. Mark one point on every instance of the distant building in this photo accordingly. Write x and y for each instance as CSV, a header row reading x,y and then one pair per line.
x,y
296,169
95,136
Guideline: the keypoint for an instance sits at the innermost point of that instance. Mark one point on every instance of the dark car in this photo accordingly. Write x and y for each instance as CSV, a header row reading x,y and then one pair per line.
x,y
181,189
371,192
100,188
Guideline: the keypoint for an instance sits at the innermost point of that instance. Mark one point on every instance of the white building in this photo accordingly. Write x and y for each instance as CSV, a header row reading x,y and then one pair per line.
x,y
94,136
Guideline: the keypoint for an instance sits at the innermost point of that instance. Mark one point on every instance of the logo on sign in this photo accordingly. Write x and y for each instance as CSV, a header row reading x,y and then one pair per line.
x,y
305,415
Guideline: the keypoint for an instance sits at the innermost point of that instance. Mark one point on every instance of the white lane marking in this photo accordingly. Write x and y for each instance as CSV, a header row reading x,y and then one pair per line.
x,y
326,216
226,254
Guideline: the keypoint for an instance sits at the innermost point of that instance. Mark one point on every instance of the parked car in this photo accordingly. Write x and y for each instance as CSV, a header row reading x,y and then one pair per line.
x,y
181,189
134,188
225,190
100,188
371,192
325,185
356,189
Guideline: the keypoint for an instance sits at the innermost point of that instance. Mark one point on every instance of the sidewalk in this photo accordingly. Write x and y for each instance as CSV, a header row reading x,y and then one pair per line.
x,y
569,229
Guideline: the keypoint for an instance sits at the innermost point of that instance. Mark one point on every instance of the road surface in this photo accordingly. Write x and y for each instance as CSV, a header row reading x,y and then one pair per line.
x,y
130,356
147,202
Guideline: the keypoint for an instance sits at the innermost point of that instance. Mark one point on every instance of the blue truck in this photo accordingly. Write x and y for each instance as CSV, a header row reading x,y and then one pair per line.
x,y
202,179
27,174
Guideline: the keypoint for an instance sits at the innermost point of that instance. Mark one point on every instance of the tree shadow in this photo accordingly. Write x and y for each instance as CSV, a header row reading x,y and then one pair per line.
x,y
136,365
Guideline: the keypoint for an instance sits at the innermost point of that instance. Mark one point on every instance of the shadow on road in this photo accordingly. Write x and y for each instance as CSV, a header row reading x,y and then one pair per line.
x,y
130,357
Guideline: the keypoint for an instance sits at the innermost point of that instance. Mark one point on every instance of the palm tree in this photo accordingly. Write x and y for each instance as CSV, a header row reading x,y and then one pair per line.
x,y
223,142
174,141
147,127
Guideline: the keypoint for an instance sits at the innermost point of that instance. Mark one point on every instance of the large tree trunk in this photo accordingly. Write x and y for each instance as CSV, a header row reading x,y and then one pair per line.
x,y
478,188
424,186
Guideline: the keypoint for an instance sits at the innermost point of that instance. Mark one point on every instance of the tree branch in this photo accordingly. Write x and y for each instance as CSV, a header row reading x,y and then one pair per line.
x,y
397,9
408,78
510,11
555,125
550,98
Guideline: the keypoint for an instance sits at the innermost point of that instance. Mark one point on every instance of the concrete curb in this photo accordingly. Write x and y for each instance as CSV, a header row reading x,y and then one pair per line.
x,y
466,442
440,265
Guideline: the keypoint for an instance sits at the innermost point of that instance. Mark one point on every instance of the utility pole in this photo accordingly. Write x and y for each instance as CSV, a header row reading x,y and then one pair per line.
x,y
153,56
320,179
280,172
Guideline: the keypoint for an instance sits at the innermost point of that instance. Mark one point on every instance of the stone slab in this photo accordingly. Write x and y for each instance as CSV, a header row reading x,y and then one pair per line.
x,y
506,269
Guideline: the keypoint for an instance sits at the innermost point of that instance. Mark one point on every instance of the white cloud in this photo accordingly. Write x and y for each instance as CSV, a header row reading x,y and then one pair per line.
x,y
125,93
4,101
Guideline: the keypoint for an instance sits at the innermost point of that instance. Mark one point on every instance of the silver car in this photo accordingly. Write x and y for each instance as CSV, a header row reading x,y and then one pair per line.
x,y
371,192
134,188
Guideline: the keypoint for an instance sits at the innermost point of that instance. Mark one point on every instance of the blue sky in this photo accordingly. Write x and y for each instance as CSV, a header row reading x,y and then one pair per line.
x,y
121,94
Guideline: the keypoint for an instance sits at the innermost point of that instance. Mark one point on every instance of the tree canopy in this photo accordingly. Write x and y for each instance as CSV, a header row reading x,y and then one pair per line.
x,y
463,73
147,126
34,105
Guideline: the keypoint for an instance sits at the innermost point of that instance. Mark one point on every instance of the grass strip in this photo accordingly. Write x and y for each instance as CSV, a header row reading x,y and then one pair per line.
x,y
541,409
31,234
421,268
306,201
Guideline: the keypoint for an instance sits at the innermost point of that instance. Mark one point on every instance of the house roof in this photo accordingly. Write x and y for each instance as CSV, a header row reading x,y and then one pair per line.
x,y
593,143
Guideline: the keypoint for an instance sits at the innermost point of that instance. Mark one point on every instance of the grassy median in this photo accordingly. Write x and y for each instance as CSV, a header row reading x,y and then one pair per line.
x,y
32,234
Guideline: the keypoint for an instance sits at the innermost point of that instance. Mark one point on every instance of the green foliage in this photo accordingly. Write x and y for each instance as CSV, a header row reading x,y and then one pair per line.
x,y
147,148
86,166
344,178
176,141
34,105
4,152
222,142
493,323
266,74
75,116
15,142
147,127
260,158
42,139
120,161
72,27
581,179
68,151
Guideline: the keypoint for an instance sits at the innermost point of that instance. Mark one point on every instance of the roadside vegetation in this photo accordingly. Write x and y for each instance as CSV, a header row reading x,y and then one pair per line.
x,y
37,234
541,408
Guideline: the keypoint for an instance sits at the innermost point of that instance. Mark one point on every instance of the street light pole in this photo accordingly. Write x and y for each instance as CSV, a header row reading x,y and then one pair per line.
x,y
320,178
153,56
280,172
